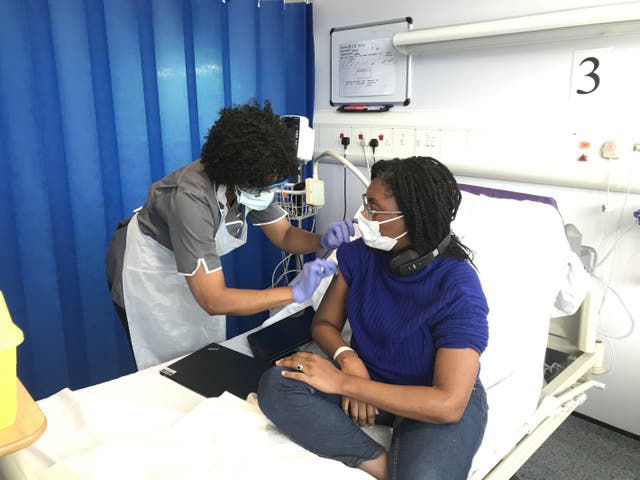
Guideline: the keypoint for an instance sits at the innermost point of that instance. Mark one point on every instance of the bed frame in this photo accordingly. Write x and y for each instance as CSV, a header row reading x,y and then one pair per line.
x,y
574,336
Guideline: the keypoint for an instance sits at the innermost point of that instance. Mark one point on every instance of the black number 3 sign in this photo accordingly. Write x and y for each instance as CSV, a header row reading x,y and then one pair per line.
x,y
595,63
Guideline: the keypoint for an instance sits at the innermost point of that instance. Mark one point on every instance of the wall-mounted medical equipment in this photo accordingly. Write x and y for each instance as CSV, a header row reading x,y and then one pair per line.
x,y
305,136
303,199
315,187
577,23
291,196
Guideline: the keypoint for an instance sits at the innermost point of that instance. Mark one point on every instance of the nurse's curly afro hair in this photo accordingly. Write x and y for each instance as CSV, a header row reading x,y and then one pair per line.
x,y
428,196
249,146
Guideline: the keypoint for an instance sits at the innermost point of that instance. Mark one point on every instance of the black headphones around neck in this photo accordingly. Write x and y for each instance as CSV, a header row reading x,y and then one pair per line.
x,y
408,261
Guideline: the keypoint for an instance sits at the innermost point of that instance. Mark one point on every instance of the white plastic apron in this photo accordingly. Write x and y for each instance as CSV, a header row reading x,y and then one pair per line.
x,y
165,321
225,242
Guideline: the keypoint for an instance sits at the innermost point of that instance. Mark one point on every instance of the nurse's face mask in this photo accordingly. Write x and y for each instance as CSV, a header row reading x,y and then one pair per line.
x,y
257,198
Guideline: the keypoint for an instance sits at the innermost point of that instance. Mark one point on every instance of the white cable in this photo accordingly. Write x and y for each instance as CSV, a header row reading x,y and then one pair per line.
x,y
632,320
603,209
618,236
342,160
614,249
275,269
610,251
284,274
608,195
285,261
285,266
366,160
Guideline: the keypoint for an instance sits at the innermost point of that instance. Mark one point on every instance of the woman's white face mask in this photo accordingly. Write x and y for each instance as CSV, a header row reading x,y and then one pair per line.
x,y
255,201
370,231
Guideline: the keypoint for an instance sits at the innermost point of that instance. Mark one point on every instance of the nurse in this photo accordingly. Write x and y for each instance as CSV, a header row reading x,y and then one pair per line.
x,y
164,267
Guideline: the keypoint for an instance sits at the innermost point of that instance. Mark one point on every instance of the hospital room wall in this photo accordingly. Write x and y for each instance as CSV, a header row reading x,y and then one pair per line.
x,y
508,112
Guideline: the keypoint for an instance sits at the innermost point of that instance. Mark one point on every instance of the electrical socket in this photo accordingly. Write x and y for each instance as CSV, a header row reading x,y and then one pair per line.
x,y
404,142
361,136
385,142
427,142
329,137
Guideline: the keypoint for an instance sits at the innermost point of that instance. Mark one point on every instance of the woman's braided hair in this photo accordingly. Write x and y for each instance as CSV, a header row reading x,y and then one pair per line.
x,y
429,197
249,145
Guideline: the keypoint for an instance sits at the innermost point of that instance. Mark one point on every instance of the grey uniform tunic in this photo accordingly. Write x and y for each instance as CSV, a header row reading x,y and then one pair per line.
x,y
176,228
181,214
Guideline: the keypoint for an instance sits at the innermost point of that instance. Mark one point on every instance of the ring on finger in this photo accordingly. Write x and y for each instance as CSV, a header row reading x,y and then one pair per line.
x,y
299,367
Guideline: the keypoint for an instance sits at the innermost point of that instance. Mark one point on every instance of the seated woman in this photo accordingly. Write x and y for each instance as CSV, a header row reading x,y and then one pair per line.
x,y
419,321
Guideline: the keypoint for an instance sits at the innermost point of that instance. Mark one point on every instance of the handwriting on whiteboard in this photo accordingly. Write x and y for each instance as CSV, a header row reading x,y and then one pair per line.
x,y
366,68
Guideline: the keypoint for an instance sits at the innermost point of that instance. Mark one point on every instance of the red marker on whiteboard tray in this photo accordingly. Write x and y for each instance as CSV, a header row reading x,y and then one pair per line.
x,y
358,108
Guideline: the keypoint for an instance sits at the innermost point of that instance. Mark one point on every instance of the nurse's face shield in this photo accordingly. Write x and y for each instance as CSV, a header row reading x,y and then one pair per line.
x,y
259,190
370,213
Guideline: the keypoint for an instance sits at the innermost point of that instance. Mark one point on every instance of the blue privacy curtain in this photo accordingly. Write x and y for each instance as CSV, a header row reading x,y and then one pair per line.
x,y
98,99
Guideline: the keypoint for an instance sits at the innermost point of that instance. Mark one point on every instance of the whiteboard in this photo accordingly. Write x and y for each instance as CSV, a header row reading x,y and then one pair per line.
x,y
366,69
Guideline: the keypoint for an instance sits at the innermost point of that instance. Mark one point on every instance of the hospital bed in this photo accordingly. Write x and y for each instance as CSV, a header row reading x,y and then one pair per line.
x,y
144,426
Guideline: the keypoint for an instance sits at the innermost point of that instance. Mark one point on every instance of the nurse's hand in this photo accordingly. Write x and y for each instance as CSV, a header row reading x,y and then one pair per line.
x,y
310,277
338,233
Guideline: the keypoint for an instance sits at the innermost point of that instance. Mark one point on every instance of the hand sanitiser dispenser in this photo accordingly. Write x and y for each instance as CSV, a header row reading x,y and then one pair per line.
x,y
10,337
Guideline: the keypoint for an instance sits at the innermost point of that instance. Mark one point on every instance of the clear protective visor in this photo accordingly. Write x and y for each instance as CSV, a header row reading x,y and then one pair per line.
x,y
267,189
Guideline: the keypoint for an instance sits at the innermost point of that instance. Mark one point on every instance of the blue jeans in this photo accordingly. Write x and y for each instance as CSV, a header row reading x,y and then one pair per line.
x,y
419,450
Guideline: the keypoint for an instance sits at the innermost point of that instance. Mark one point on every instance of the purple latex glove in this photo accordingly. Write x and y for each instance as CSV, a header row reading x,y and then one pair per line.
x,y
309,279
338,233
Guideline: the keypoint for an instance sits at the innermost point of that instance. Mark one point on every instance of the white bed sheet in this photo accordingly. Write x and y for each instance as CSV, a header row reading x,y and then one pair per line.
x,y
144,426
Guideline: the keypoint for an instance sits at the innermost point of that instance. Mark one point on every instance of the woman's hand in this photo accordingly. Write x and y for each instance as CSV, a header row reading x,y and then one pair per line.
x,y
322,375
314,370
361,412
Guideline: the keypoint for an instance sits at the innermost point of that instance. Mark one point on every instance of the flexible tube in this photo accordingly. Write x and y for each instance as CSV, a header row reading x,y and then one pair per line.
x,y
344,161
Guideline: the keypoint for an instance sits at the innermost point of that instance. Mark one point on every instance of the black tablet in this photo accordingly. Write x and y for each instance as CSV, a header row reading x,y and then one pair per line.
x,y
283,337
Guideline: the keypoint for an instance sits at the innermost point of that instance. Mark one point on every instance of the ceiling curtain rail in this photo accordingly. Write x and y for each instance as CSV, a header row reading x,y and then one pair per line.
x,y
618,19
